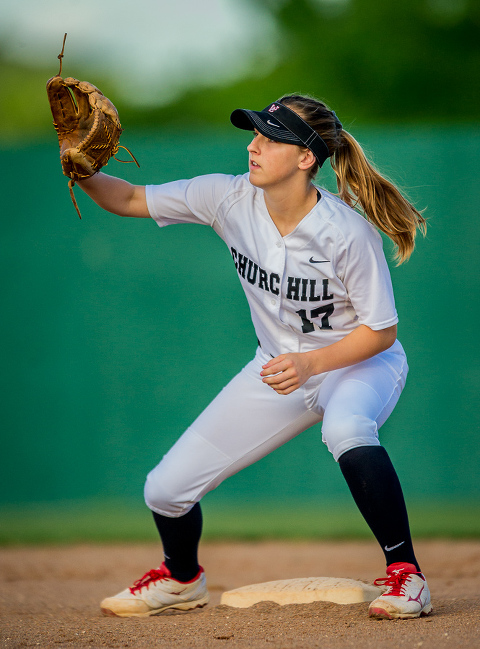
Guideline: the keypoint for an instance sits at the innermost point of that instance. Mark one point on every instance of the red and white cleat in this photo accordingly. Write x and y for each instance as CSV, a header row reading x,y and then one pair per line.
x,y
406,595
156,592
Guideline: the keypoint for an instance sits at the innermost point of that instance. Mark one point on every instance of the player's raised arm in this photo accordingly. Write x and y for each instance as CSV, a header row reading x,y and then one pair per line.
x,y
89,129
116,195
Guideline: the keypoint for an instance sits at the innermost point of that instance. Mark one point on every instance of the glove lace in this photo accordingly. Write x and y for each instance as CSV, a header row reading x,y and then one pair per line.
x,y
60,56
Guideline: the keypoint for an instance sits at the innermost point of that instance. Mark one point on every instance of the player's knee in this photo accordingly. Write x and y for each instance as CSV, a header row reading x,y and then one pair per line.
x,y
160,499
345,433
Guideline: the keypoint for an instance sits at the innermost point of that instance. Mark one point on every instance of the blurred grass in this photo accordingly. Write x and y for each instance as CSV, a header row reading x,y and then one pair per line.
x,y
111,522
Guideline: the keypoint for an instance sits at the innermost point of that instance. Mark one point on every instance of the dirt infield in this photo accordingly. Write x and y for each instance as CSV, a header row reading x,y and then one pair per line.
x,y
49,598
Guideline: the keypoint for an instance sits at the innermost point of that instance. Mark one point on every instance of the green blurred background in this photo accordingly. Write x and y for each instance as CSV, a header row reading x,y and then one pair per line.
x,y
116,334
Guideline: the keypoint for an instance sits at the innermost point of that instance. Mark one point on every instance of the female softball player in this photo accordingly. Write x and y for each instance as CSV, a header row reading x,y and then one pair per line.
x,y
321,302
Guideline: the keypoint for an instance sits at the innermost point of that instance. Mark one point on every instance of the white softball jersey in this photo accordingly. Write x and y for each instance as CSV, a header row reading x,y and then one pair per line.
x,y
305,290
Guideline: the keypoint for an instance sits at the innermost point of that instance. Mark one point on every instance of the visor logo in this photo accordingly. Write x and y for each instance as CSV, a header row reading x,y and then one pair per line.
x,y
273,108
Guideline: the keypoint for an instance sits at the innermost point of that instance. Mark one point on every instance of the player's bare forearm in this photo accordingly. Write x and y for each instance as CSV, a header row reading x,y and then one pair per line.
x,y
116,195
357,346
287,372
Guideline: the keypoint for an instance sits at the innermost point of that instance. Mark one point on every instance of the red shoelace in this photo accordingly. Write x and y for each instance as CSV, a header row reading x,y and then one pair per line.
x,y
148,578
395,582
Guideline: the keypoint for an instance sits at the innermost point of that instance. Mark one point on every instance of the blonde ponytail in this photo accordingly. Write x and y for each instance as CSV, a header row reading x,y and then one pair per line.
x,y
359,184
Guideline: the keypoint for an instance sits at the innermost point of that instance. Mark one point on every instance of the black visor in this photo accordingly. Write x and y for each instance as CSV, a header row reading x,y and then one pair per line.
x,y
280,123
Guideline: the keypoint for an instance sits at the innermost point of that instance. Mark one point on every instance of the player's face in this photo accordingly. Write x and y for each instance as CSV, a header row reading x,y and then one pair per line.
x,y
272,163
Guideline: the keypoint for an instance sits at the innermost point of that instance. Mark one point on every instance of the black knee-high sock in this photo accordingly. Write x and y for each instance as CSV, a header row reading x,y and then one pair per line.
x,y
376,490
180,539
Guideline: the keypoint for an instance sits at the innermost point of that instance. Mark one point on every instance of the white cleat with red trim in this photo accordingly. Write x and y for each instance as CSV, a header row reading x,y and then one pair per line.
x,y
156,592
406,595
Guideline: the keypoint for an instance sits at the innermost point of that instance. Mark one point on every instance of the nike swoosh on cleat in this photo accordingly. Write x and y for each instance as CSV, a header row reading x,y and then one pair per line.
x,y
318,261
394,547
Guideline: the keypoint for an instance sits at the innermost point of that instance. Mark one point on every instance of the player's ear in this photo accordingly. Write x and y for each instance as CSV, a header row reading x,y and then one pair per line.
x,y
307,159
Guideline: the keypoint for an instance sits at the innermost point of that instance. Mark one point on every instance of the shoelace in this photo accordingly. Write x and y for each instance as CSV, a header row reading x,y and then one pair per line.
x,y
148,578
395,582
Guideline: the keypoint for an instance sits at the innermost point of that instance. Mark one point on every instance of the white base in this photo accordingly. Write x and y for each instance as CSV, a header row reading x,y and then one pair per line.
x,y
302,591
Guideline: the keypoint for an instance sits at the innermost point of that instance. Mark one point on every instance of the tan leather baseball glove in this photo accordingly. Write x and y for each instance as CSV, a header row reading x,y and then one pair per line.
x,y
87,125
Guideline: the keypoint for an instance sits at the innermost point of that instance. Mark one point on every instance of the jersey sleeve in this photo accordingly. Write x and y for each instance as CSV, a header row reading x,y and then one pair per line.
x,y
188,201
368,282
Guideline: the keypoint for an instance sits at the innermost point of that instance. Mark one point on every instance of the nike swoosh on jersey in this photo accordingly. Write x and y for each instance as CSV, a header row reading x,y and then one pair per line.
x,y
318,261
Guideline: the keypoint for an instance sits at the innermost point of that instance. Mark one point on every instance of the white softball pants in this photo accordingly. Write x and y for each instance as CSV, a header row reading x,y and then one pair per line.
x,y
248,420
